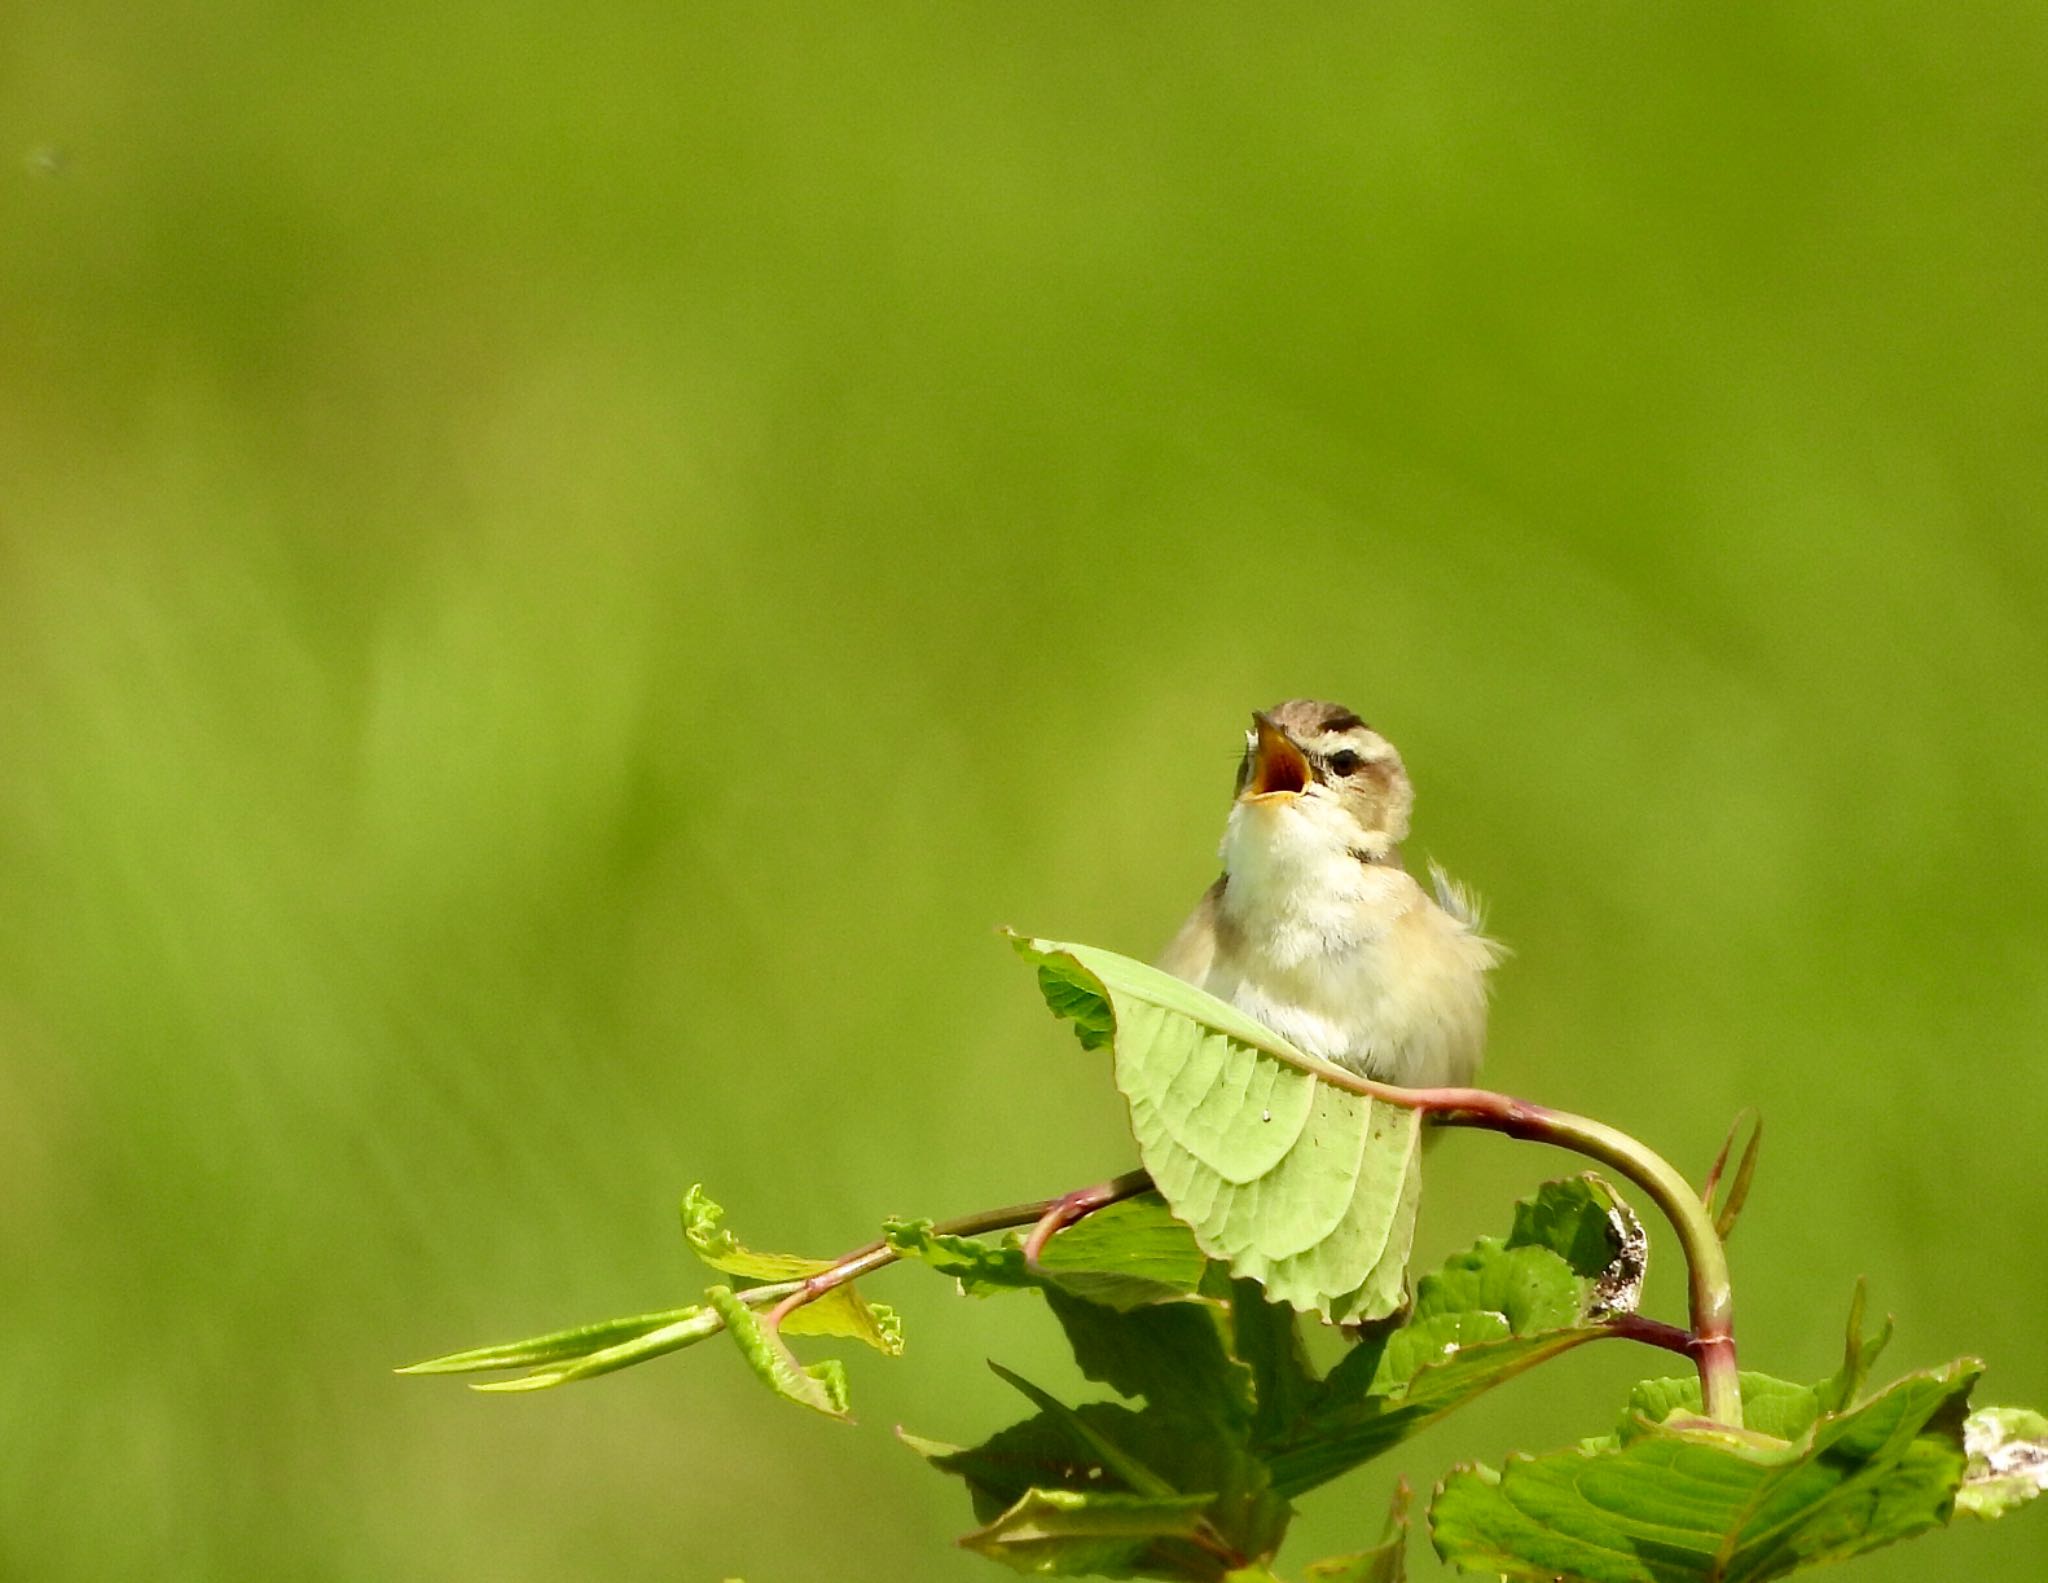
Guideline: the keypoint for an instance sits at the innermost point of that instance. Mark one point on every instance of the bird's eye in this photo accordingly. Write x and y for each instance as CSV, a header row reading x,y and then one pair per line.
x,y
1344,762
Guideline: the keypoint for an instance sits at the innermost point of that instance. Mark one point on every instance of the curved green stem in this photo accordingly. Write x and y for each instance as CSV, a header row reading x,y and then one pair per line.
x,y
1712,1296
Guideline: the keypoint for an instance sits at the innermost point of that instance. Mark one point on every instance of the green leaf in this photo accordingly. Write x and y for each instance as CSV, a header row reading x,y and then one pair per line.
x,y
1041,1451
1691,1502
2008,1466
844,1312
1199,1404
1092,1442
1585,1222
554,1347
1267,1338
719,1249
1859,1352
1385,1562
819,1386
1126,1255
1174,1355
1778,1408
1483,1317
690,1326
981,1268
1069,1533
1232,1407
1293,1181
1074,1448
1193,1436
1745,1173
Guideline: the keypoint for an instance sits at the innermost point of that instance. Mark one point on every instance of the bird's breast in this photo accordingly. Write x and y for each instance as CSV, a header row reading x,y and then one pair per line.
x,y
1385,983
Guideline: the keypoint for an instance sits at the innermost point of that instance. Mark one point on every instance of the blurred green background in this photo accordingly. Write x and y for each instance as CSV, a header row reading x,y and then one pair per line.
x,y
560,570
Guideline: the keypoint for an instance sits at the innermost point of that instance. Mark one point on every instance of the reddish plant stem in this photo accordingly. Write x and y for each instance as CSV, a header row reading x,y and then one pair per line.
x,y
1710,1342
1073,1206
1712,1298
1651,1332
878,1255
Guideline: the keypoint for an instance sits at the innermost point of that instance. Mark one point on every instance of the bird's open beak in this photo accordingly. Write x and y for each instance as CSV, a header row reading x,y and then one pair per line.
x,y
1279,768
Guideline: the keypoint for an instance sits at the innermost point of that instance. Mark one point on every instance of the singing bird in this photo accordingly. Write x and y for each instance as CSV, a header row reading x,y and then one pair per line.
x,y
1317,929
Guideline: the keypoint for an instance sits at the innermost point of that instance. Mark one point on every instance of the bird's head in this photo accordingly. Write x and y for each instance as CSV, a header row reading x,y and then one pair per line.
x,y
1316,777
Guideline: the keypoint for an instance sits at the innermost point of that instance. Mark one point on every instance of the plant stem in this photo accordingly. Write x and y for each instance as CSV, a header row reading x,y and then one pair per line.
x,y
1712,1297
1710,1342
1651,1332
877,1255
1082,1201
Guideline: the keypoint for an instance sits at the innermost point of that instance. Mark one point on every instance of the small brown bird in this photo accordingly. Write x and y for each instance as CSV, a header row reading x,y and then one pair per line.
x,y
1317,929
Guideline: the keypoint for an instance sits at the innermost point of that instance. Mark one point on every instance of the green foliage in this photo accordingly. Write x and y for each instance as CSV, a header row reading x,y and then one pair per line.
x,y
1187,1303
1232,1413
1305,1187
1730,1210
1127,1255
585,1351
577,1342
1818,1473
1485,1316
1688,1501
1124,1255
842,1311
573,1355
819,1386
1066,1533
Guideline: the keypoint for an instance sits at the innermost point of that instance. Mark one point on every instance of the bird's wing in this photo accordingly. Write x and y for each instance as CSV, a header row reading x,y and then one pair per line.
x,y
1193,951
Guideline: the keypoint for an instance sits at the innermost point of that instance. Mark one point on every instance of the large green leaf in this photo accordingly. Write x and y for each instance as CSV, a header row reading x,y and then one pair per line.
x,y
1291,1180
1688,1501
1483,1317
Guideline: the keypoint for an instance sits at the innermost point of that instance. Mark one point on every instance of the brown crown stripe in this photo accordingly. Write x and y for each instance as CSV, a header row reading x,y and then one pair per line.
x,y
1308,715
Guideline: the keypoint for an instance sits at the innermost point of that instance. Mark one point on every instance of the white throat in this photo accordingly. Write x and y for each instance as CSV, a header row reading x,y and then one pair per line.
x,y
1303,866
